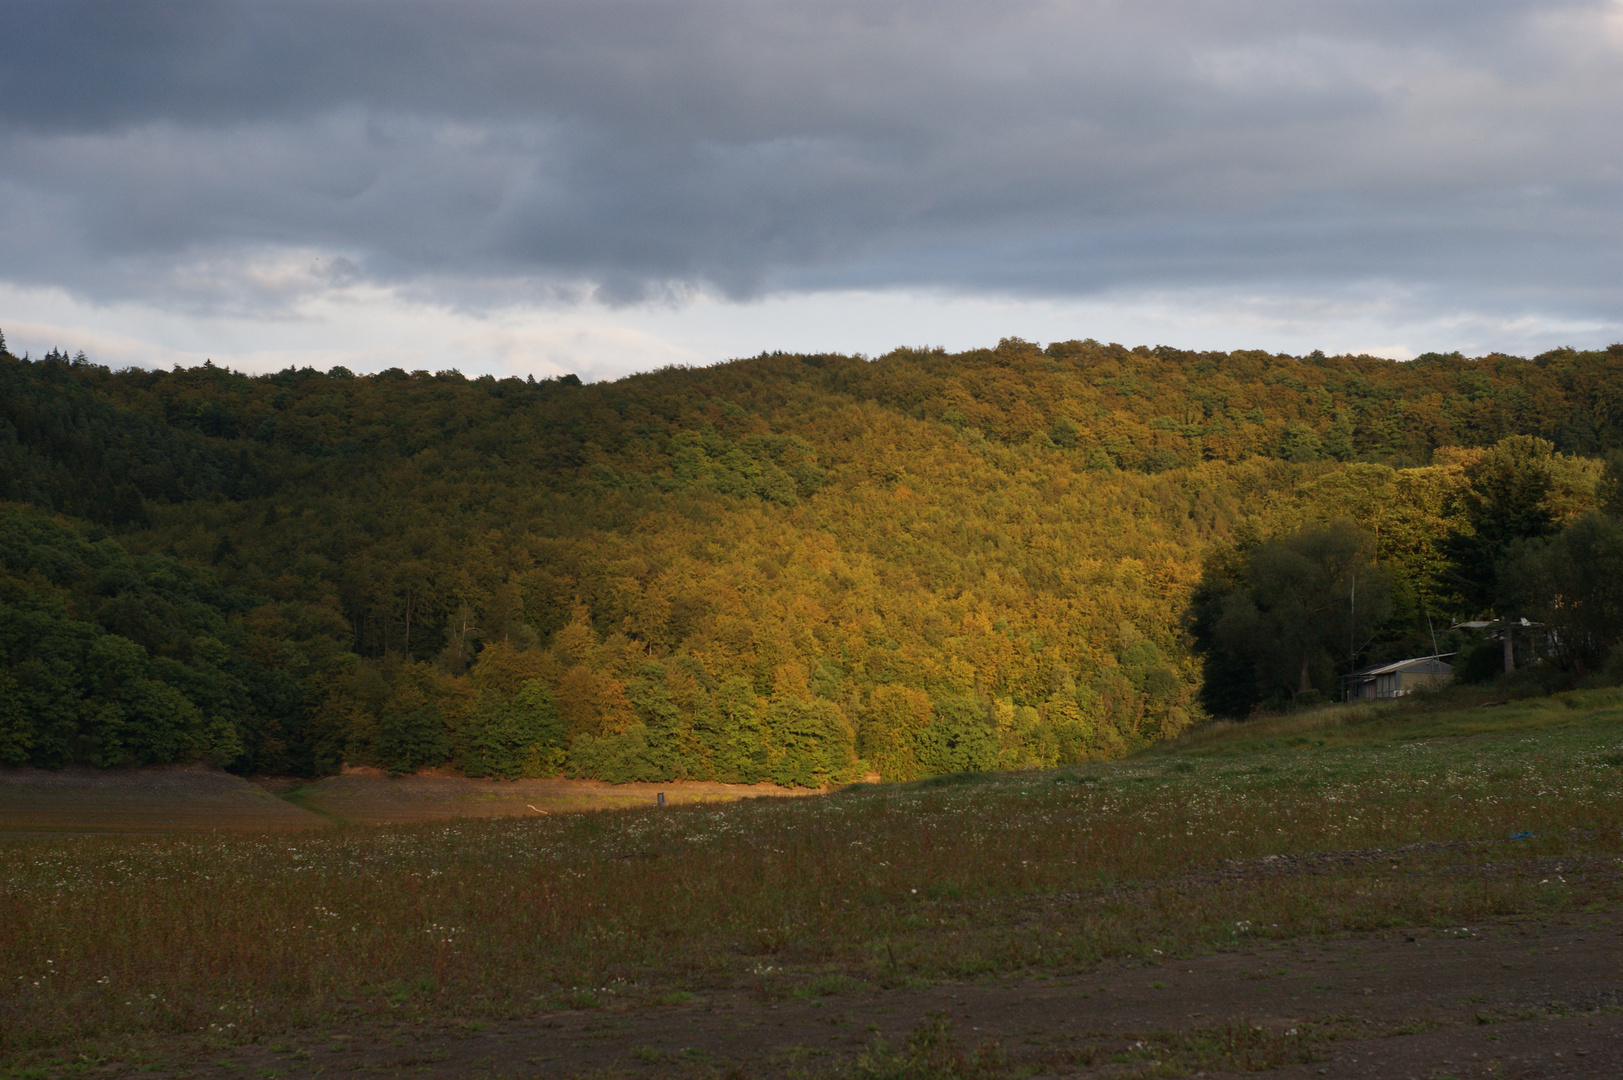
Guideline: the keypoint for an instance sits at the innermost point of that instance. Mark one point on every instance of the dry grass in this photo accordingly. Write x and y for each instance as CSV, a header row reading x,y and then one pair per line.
x,y
109,945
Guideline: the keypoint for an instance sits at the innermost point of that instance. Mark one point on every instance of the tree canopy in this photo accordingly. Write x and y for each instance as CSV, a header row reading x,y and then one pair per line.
x,y
790,568
1297,606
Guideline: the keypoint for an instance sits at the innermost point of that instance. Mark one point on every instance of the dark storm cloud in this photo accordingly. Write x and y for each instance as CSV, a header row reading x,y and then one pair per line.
x,y
228,154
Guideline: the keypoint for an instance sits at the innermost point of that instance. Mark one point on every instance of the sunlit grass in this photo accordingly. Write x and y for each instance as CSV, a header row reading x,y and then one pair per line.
x,y
107,945
1454,713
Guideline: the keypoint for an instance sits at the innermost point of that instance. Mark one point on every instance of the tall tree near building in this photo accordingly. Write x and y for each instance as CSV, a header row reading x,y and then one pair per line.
x,y
1507,501
1296,612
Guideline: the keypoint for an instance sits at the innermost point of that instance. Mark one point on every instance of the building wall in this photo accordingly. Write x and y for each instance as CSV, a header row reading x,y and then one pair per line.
x,y
1425,680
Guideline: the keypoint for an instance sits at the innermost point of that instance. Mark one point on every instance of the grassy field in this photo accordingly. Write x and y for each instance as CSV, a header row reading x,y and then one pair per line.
x,y
1430,813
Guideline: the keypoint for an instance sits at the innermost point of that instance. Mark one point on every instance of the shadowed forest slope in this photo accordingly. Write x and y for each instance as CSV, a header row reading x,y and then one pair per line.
x,y
788,568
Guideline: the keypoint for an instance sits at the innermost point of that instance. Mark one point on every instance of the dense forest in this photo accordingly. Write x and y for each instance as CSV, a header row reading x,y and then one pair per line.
x,y
788,568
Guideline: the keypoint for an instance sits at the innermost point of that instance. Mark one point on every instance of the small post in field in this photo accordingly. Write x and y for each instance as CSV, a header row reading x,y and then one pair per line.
x,y
659,800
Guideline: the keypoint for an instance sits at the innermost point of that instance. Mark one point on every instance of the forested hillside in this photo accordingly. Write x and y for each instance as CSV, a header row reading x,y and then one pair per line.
x,y
789,568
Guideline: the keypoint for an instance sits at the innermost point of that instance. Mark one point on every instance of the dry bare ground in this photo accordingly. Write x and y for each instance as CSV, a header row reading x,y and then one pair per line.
x,y
197,798
365,796
164,799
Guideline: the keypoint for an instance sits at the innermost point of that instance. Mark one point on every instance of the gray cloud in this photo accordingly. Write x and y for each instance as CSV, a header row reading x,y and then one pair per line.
x,y
215,155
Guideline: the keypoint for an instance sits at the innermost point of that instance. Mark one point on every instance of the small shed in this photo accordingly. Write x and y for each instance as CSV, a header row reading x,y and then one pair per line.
x,y
1398,679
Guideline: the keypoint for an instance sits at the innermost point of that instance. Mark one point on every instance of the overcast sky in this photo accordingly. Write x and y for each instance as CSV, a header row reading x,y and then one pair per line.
x,y
604,187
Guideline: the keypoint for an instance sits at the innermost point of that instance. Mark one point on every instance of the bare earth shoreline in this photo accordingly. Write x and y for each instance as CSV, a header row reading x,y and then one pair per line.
x,y
197,798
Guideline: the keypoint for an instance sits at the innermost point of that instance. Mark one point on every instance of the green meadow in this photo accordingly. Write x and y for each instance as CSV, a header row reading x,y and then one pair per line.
x,y
1441,812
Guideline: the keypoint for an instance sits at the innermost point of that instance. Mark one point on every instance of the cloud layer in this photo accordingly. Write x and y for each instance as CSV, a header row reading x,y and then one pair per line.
x,y
216,160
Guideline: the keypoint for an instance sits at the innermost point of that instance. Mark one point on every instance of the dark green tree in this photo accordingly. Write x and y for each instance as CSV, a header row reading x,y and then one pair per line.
x,y
410,741
510,739
959,739
817,743
1296,608
1228,678
1572,583
1506,502
1609,492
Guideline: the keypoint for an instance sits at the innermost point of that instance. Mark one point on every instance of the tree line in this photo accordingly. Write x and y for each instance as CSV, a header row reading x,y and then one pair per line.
x,y
1528,540
787,568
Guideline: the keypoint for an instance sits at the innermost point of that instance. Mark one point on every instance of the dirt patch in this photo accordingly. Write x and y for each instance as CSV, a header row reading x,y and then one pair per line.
x,y
371,797
197,798
1517,999
163,799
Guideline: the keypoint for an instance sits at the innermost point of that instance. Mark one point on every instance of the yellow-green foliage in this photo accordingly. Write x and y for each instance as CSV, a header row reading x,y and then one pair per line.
x,y
789,568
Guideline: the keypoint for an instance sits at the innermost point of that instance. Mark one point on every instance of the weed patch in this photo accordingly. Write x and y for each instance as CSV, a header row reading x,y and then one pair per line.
x,y
932,1052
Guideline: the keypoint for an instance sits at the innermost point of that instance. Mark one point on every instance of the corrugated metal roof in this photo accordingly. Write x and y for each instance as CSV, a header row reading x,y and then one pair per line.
x,y
1406,665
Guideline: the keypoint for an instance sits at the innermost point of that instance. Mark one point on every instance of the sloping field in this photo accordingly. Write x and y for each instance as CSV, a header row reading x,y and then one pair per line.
x,y
369,797
166,799
1526,999
1440,870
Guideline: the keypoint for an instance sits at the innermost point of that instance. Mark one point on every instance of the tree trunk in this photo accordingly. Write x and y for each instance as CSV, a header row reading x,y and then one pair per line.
x,y
1306,683
1510,649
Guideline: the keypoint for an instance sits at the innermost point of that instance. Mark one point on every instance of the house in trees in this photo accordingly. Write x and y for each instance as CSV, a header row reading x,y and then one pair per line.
x,y
1398,679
